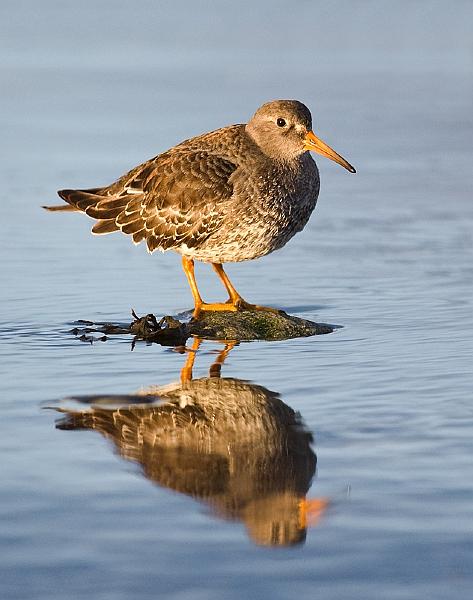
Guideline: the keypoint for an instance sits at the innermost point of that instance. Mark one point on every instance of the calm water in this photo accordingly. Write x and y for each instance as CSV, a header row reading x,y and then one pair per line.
x,y
89,91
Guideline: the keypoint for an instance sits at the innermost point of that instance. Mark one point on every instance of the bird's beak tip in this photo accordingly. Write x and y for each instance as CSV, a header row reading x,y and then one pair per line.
x,y
312,142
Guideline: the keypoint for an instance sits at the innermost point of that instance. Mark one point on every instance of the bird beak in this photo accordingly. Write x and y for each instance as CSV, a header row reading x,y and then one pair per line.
x,y
312,142
311,511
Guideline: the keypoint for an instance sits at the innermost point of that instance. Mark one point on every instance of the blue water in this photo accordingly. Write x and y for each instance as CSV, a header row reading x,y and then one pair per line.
x,y
91,89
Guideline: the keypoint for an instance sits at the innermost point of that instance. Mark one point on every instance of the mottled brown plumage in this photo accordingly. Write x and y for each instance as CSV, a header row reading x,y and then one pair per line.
x,y
234,194
231,444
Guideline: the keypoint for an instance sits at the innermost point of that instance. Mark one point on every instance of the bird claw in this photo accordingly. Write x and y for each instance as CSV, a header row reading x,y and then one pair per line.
x,y
231,306
244,305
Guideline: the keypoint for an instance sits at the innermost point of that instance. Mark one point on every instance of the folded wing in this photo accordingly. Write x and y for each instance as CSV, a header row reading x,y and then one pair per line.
x,y
177,198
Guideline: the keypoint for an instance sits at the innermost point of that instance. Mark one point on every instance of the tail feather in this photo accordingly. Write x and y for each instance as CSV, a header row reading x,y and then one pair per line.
x,y
82,199
61,208
97,204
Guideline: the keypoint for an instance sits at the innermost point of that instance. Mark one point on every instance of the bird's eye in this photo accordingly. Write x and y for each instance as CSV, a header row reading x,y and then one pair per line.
x,y
281,122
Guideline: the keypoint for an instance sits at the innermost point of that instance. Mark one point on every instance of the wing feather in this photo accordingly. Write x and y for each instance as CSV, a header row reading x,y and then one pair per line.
x,y
102,227
132,227
124,217
139,236
176,198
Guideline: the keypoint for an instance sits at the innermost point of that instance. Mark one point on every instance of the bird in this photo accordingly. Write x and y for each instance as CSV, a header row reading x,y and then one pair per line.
x,y
234,194
230,444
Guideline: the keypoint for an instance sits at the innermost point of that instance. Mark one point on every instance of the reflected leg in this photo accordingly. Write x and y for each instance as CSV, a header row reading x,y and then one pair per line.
x,y
186,372
216,366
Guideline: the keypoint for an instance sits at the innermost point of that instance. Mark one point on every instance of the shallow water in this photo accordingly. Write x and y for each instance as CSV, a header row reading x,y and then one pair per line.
x,y
89,92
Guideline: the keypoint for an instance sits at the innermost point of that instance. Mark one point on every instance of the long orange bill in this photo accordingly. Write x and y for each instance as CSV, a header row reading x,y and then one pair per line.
x,y
311,511
312,142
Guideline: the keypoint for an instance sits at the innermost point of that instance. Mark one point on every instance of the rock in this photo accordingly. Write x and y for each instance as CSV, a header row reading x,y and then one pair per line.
x,y
168,331
245,326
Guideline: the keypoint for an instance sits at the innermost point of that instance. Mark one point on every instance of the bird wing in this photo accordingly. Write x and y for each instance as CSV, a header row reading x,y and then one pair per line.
x,y
173,199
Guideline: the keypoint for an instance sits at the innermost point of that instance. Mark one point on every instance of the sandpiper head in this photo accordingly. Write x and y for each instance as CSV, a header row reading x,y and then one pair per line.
x,y
283,131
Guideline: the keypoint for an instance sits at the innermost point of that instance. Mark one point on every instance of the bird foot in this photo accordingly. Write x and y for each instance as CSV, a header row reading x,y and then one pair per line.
x,y
244,305
217,306
231,306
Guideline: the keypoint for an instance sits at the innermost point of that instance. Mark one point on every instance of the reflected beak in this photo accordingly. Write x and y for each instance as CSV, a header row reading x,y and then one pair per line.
x,y
312,142
311,511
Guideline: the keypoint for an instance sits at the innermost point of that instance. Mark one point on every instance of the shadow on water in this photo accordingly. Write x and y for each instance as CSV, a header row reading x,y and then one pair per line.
x,y
229,443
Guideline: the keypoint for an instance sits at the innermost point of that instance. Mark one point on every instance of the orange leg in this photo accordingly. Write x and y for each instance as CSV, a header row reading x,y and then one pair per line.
x,y
186,372
235,301
234,297
216,367
199,304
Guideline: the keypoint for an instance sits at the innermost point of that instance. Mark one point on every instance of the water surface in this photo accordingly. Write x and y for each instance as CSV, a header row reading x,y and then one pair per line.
x,y
89,91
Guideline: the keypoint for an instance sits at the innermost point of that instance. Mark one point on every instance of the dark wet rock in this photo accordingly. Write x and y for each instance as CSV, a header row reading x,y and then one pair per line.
x,y
168,331
245,325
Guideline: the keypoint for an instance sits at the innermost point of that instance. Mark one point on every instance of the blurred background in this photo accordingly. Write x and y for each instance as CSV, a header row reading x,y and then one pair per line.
x,y
91,89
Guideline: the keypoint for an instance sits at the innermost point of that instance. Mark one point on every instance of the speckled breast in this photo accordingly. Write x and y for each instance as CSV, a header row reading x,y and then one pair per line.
x,y
266,211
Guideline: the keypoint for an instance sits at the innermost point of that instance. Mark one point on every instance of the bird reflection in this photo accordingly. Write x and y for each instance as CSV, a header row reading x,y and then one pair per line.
x,y
231,444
